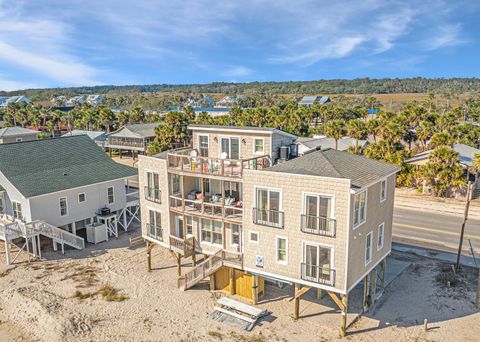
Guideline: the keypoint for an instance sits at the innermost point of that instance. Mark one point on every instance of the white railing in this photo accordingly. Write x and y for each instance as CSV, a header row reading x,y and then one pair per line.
x,y
57,234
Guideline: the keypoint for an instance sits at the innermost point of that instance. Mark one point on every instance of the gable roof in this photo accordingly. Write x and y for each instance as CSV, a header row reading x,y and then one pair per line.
x,y
145,130
311,99
12,131
50,165
269,130
94,135
337,164
326,143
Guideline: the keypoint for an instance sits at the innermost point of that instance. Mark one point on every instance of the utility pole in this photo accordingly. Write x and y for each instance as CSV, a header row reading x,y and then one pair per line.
x,y
465,218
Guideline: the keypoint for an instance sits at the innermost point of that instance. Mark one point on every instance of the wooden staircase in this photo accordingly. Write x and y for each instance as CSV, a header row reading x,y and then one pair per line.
x,y
209,266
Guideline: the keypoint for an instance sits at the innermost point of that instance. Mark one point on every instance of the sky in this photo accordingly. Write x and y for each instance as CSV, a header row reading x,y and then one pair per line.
x,y
58,43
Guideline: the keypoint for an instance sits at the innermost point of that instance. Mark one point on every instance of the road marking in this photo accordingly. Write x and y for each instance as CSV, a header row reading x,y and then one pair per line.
x,y
470,236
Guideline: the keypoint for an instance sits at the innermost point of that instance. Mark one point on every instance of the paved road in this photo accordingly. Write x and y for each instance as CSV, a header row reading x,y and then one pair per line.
x,y
430,229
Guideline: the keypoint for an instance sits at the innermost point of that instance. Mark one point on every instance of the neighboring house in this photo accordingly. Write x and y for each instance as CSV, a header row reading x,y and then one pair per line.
x,y
134,138
308,144
94,100
308,101
75,101
13,99
17,134
212,111
466,154
229,101
64,183
99,137
303,221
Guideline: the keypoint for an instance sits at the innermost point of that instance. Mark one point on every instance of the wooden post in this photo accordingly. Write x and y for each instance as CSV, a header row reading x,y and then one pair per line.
x,y
7,250
232,280
319,293
179,264
425,325
254,289
366,292
194,256
296,307
212,282
374,285
149,256
465,218
478,289
343,322
384,270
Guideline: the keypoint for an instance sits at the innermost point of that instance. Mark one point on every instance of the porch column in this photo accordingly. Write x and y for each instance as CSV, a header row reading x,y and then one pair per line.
x,y
179,264
74,228
374,285
384,270
254,289
232,280
366,292
343,323
296,306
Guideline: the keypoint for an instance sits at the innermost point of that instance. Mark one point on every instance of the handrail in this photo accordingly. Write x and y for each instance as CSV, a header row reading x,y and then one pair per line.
x,y
271,218
57,234
155,231
318,274
152,194
318,225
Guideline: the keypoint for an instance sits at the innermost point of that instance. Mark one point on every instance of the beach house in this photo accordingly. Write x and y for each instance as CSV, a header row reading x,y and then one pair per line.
x,y
241,197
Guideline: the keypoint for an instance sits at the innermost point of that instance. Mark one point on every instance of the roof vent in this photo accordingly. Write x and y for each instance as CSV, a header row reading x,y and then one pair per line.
x,y
65,174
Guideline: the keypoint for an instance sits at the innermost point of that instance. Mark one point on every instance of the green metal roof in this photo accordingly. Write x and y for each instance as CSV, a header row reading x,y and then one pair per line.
x,y
50,165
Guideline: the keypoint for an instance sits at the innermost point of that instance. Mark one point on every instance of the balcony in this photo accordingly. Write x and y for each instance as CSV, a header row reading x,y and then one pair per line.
x,y
137,143
185,247
153,194
271,218
318,225
318,274
206,207
187,160
154,231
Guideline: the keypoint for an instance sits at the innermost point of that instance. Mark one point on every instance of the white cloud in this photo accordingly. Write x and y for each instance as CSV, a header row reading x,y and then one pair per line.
x,y
9,85
448,35
237,71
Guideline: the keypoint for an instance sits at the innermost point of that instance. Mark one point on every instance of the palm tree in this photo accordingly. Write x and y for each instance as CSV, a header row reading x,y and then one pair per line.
x,y
440,139
357,129
373,127
335,129
425,132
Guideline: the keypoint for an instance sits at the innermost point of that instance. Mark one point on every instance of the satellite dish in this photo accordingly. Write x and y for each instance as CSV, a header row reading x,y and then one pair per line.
x,y
223,155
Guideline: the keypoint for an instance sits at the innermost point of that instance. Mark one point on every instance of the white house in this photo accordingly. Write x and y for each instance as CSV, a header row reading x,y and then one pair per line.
x,y
13,99
74,101
308,101
64,182
94,100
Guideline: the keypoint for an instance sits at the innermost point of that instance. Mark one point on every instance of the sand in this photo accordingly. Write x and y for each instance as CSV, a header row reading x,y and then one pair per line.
x,y
39,298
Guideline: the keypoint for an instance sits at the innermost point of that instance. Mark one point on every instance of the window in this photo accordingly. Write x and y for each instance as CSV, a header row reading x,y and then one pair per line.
x,y
110,196
368,248
18,139
175,184
381,236
154,227
254,237
153,187
383,190
63,206
235,229
359,213
82,197
203,145
282,250
267,209
318,213
317,263
17,210
211,231
189,225
230,146
258,147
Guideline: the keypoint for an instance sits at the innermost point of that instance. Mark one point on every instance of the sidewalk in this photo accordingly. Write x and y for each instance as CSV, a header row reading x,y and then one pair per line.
x,y
412,199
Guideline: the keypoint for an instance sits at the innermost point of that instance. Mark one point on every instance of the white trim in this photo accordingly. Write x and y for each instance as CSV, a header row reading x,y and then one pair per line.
x,y
307,193
250,131
263,146
249,236
84,195
375,181
277,237
371,247
60,206
385,198
198,144
349,217
365,206
368,271
220,137
113,195
268,188
383,235
292,280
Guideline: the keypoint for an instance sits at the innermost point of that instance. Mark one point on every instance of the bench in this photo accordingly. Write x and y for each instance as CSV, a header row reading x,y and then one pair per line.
x,y
241,311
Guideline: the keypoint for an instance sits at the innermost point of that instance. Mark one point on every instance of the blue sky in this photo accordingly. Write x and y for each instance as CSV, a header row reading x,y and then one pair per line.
x,y
56,43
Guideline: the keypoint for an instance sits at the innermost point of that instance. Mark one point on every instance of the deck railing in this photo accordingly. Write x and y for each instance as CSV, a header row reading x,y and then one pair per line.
x,y
318,225
185,247
318,274
154,231
153,194
181,160
212,209
271,218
